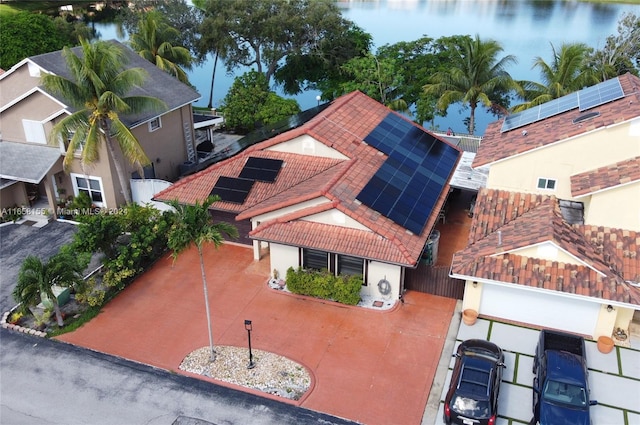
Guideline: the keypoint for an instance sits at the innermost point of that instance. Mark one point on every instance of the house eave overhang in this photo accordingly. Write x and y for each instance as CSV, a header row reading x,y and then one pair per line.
x,y
578,260
333,252
14,165
541,290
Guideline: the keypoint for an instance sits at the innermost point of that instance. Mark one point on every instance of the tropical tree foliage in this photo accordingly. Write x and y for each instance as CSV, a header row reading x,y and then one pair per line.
x,y
476,76
36,279
377,78
98,90
177,14
194,226
322,68
155,41
621,52
566,73
262,33
250,104
24,34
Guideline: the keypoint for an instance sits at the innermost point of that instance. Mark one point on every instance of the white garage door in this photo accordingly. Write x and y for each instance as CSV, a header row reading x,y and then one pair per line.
x,y
539,309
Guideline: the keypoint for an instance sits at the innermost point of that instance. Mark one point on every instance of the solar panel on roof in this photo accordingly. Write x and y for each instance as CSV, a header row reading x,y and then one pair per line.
x,y
261,169
232,189
587,98
408,184
599,94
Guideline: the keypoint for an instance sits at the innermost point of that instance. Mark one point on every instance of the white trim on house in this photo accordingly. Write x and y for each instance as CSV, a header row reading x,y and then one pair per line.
x,y
542,290
154,124
29,93
577,260
76,189
545,183
617,186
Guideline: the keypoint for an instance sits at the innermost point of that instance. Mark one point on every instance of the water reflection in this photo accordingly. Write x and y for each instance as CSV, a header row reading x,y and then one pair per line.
x,y
525,29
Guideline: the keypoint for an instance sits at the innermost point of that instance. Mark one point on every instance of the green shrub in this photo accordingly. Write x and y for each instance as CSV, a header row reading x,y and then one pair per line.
x,y
347,289
323,284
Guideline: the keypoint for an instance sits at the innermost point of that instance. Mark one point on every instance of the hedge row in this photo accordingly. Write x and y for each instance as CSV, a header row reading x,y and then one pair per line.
x,y
322,284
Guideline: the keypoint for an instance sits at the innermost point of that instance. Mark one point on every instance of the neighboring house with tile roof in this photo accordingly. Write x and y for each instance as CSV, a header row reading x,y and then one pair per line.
x,y
555,238
30,166
314,212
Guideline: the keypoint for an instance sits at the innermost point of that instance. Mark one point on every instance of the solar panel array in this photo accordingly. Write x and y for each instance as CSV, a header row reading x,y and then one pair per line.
x,y
587,98
407,186
261,169
232,189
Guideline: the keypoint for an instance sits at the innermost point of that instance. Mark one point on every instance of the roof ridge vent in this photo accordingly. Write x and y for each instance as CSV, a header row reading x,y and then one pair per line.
x,y
587,116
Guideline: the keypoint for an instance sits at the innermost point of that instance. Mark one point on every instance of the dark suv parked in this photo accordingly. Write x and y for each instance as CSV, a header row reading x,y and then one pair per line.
x,y
472,398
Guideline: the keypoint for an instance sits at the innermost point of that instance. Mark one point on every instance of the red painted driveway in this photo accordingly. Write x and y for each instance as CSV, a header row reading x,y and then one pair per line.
x,y
374,367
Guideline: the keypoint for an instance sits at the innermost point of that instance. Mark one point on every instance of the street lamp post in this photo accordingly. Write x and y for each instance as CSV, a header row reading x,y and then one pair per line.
x,y
249,327
318,99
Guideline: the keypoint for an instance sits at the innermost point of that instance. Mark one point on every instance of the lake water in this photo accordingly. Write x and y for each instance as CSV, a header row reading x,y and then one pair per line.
x,y
525,29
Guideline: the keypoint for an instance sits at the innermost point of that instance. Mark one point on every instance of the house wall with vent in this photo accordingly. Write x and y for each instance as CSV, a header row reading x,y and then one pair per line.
x,y
560,160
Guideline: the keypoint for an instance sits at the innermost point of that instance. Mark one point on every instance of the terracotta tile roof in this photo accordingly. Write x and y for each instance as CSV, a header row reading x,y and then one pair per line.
x,y
613,175
297,170
606,258
497,145
344,240
342,126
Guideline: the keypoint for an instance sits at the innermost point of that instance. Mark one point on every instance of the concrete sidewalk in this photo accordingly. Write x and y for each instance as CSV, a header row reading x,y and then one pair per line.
x,y
374,367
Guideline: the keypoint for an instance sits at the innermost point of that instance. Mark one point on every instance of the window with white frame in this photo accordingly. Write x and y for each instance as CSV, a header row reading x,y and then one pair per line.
x,y
155,124
90,185
34,131
544,183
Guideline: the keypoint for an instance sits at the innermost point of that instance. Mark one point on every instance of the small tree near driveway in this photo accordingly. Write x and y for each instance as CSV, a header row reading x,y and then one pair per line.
x,y
194,225
36,278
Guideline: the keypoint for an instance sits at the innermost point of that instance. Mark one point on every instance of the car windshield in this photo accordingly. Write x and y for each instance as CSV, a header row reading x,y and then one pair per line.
x,y
573,395
471,407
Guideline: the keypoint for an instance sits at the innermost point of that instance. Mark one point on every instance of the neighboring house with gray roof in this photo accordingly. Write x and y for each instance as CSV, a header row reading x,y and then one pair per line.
x,y
28,113
555,237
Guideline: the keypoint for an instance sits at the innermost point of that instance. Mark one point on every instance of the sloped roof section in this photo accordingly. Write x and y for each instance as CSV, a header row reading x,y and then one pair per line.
x,y
497,145
620,173
342,126
607,259
14,156
158,84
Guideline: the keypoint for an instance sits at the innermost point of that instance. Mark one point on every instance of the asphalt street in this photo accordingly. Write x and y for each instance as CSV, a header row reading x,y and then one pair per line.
x,y
49,382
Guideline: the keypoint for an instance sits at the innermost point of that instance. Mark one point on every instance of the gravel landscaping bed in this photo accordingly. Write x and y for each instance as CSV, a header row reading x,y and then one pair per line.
x,y
272,374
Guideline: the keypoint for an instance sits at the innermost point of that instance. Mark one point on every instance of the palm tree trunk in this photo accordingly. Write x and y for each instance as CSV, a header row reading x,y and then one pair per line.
x,y
56,308
213,77
124,184
206,303
472,119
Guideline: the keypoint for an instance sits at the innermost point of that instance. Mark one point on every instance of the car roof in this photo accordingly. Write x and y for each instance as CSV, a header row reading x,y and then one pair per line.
x,y
563,366
475,376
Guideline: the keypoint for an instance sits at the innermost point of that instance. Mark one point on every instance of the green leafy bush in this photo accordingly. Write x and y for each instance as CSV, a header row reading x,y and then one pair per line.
x,y
323,284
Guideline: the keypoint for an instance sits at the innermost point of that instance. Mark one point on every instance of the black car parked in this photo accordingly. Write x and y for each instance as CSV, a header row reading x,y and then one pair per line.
x,y
472,398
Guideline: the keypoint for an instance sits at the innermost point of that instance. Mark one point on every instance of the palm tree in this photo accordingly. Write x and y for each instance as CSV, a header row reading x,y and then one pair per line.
x,y
476,76
153,42
36,279
98,90
194,225
566,74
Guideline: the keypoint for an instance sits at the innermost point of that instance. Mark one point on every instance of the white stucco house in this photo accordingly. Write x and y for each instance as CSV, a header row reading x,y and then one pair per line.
x,y
555,238
353,187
